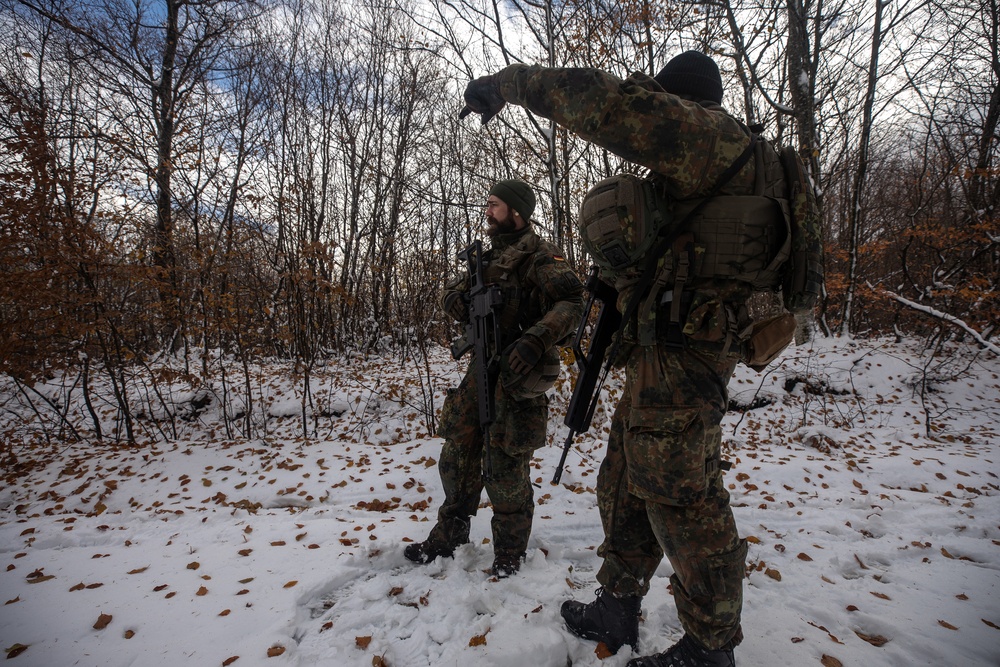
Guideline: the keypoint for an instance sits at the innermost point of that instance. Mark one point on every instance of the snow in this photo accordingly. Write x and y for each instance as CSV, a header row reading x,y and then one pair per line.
x,y
866,482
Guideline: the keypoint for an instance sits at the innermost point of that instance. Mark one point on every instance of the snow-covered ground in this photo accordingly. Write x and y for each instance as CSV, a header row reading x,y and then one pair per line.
x,y
866,481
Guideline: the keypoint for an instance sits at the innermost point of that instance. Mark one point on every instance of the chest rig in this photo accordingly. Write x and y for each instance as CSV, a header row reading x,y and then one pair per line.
x,y
508,267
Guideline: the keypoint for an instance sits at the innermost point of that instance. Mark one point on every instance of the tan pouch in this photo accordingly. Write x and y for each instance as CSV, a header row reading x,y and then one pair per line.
x,y
767,340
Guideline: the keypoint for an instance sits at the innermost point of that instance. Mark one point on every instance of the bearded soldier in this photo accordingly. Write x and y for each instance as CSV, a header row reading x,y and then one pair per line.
x,y
660,487
542,300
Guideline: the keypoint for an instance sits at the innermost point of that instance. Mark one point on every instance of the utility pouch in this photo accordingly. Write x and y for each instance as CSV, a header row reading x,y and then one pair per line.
x,y
767,340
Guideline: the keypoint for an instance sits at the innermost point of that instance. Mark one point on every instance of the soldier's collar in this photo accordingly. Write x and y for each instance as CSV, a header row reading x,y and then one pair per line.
x,y
501,241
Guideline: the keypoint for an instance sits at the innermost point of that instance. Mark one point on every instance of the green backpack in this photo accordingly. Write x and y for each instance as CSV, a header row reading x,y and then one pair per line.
x,y
803,272
765,242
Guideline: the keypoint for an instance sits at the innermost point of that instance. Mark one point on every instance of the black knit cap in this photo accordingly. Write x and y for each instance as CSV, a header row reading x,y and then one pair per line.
x,y
692,73
516,194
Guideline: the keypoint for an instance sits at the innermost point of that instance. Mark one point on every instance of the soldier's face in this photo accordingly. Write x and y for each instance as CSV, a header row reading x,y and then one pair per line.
x,y
499,217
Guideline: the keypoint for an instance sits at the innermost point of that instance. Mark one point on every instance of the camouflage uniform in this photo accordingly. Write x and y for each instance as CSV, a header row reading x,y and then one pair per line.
x,y
543,297
660,487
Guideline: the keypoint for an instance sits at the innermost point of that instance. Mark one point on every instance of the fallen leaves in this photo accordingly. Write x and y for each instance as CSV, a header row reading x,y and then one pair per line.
x,y
275,651
15,650
102,621
81,586
38,576
874,640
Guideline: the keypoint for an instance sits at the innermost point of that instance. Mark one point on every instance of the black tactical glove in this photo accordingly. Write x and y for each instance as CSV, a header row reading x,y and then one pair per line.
x,y
456,305
482,96
527,351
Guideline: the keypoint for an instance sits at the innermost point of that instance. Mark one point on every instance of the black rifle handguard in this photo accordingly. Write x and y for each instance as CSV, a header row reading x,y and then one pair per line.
x,y
587,390
482,335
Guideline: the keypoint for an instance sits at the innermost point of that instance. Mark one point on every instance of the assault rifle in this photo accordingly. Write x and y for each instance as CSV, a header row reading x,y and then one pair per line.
x,y
482,336
587,390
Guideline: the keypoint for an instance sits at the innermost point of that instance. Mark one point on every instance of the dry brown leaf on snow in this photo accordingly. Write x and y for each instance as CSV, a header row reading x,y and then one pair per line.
x,y
230,660
479,640
602,651
202,591
874,640
102,621
362,642
291,583
379,661
830,661
275,651
138,571
946,624
37,577
16,650
193,565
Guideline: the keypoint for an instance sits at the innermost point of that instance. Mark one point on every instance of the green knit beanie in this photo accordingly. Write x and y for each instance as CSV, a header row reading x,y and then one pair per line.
x,y
516,194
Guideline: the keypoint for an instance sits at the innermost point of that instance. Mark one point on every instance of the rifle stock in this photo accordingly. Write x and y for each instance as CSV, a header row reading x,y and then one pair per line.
x,y
587,390
482,336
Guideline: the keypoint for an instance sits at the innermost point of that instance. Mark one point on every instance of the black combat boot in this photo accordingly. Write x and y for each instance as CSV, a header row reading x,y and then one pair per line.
x,y
427,551
506,564
687,653
614,621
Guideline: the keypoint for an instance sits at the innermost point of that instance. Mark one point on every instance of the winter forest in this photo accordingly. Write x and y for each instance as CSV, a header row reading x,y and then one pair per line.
x,y
290,180
224,228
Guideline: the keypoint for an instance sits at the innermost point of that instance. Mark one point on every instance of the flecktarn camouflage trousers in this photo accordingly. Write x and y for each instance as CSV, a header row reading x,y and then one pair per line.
x,y
518,430
660,491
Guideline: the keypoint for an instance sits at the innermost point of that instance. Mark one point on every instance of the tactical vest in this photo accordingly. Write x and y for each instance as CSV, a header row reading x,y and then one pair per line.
x,y
508,268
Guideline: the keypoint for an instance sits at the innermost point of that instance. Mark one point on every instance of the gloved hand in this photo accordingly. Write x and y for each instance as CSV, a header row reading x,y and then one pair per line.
x,y
456,305
527,351
482,96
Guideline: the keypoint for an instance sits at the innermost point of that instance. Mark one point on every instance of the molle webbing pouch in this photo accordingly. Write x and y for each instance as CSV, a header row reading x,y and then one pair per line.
x,y
741,238
767,339
620,219
507,270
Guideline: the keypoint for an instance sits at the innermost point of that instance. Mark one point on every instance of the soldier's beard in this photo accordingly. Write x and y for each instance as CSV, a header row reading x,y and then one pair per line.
x,y
505,226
